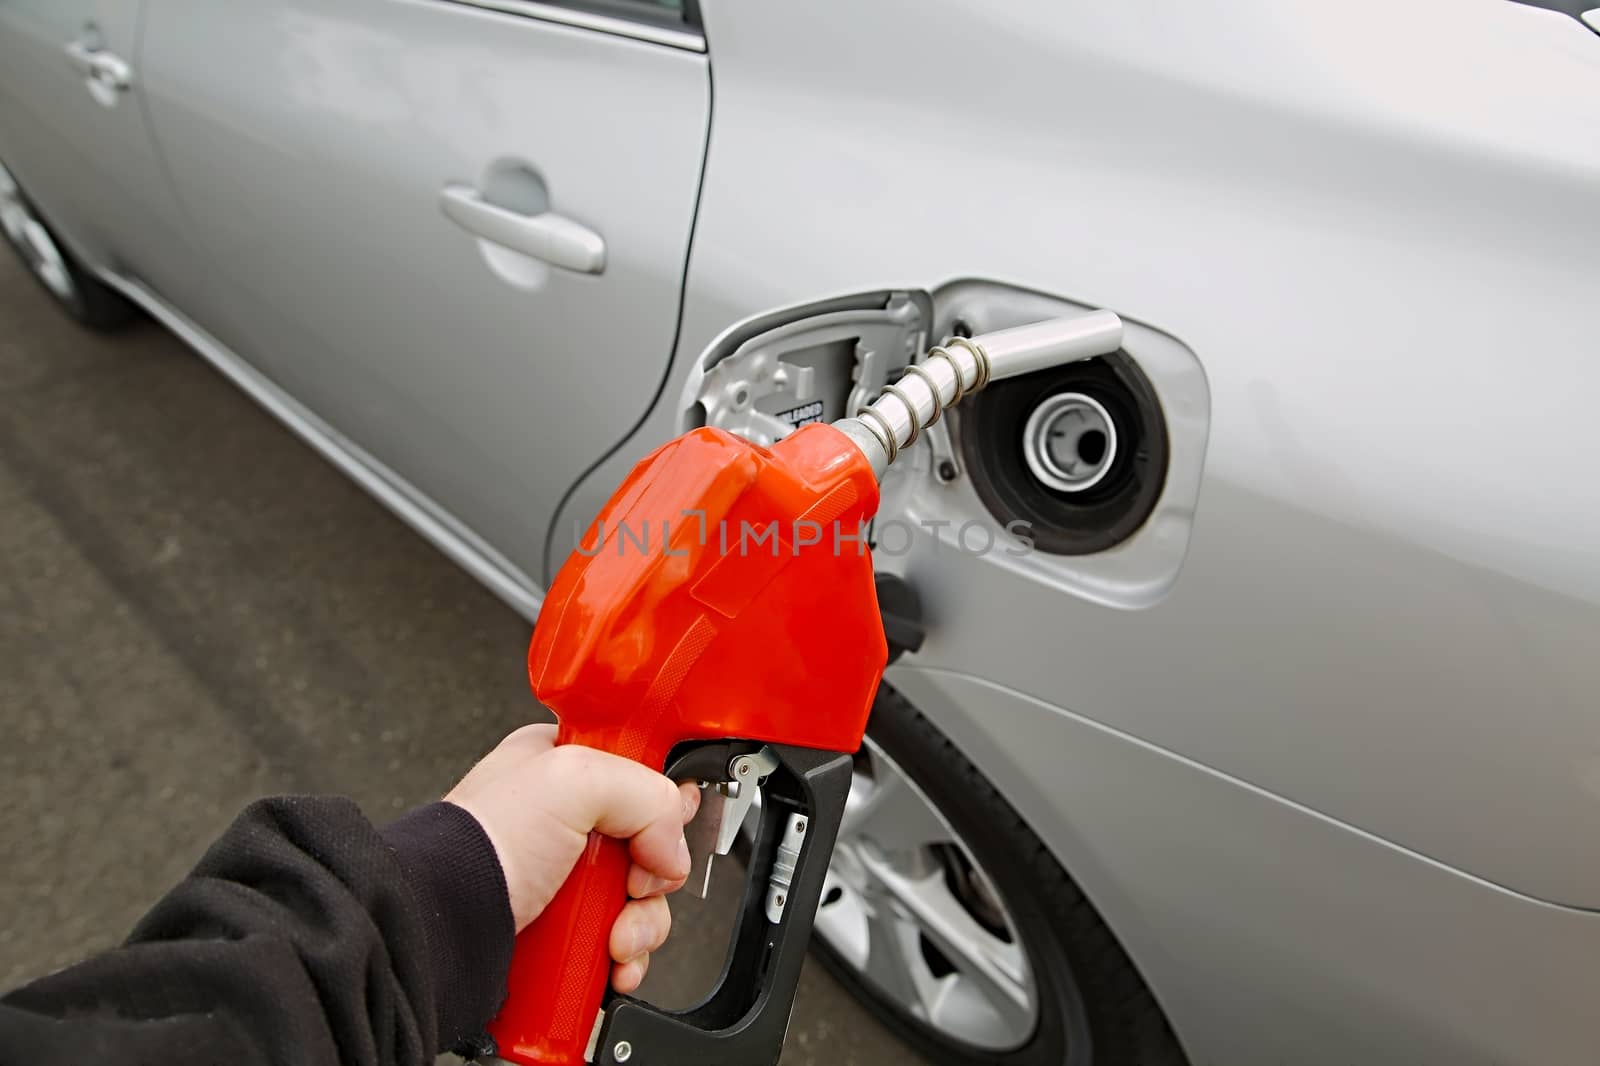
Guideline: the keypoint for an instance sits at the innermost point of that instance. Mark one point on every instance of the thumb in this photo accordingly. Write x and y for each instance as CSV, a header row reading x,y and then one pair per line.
x,y
596,791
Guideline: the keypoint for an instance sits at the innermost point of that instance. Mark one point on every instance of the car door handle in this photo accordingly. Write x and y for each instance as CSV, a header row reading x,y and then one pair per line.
x,y
547,236
107,74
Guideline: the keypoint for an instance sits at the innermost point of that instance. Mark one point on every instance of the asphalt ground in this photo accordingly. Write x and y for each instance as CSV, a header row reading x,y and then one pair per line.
x,y
196,610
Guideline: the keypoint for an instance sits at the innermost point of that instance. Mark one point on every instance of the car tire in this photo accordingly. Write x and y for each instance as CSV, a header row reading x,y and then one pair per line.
x,y
1093,1006
84,297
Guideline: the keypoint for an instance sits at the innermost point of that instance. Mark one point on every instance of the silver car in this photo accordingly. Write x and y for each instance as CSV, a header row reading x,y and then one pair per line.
x,y
1281,744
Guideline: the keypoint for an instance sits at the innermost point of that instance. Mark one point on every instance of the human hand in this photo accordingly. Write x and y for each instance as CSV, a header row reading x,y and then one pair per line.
x,y
537,803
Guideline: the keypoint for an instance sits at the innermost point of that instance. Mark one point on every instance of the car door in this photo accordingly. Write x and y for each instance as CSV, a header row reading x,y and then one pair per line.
x,y
455,234
73,134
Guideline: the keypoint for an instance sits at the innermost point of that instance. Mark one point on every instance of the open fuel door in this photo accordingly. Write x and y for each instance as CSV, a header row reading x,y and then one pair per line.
x,y
820,362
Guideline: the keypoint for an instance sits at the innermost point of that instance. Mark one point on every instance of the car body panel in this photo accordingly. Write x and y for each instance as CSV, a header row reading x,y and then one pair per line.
x,y
1270,933
92,168
311,153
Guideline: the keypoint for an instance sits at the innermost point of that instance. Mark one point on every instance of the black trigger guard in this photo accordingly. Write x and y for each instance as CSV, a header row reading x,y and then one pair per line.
x,y
744,1020
706,762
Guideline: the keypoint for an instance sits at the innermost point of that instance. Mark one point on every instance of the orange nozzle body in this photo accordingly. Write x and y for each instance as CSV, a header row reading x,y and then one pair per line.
x,y
725,591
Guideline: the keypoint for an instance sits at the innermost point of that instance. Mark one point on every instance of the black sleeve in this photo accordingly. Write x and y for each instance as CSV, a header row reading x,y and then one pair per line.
x,y
304,937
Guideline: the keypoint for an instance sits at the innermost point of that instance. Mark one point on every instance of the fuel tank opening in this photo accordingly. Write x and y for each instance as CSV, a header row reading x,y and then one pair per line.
x,y
1070,442
1079,452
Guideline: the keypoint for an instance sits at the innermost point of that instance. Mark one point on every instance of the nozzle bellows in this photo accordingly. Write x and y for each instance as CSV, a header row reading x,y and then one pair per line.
x,y
962,366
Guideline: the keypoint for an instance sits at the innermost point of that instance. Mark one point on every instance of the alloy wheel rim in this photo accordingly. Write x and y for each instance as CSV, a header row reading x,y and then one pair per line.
x,y
908,907
24,230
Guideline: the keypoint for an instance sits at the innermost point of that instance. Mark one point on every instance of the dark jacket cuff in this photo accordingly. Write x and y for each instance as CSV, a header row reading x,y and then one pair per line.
x,y
459,889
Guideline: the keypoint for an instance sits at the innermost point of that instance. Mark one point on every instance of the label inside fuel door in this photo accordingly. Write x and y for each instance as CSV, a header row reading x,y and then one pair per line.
x,y
805,414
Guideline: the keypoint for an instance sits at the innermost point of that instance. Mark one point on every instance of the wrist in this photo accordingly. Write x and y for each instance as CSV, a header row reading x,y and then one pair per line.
x,y
458,885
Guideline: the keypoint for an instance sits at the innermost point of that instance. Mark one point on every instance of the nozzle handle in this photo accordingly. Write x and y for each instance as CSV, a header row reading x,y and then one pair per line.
x,y
562,959
962,366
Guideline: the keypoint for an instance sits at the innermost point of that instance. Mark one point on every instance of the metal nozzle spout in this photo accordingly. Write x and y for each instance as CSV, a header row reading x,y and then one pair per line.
x,y
963,366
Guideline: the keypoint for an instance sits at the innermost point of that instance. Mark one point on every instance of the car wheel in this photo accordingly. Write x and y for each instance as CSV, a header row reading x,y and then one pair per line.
x,y
945,912
76,291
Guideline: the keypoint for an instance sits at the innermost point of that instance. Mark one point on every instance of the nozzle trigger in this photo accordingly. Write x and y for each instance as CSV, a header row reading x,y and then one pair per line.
x,y
724,805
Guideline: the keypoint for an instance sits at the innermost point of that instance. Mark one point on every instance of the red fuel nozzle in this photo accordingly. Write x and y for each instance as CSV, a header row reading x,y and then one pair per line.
x,y
725,592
